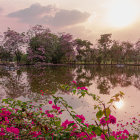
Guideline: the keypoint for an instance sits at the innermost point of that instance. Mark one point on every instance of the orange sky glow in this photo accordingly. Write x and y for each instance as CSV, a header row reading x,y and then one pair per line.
x,y
86,19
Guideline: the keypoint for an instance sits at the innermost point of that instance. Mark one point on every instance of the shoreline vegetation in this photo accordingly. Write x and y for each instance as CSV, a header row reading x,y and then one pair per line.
x,y
62,64
40,45
27,120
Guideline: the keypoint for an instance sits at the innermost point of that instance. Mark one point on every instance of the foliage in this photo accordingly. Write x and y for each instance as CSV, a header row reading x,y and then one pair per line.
x,y
12,43
44,46
27,120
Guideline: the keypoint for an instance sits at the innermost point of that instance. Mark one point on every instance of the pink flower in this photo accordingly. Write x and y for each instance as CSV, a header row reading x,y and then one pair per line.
x,y
50,102
36,134
81,117
103,121
12,130
60,112
46,111
126,132
4,112
55,107
78,88
50,115
66,123
74,82
112,119
2,132
102,136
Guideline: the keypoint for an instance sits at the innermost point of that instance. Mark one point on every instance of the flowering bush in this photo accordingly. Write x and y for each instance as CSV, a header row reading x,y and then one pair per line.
x,y
24,120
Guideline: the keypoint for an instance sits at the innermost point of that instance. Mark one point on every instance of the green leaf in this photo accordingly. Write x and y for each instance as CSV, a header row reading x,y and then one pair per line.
x,y
55,100
99,114
70,107
94,96
111,138
71,124
97,130
95,107
57,123
79,120
74,91
108,112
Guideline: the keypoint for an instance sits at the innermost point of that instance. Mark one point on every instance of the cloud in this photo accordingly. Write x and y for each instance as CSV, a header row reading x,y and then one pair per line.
x,y
68,17
50,15
33,14
1,10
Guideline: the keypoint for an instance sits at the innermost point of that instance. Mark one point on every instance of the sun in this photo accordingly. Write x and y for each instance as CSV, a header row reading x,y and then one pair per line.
x,y
119,104
122,13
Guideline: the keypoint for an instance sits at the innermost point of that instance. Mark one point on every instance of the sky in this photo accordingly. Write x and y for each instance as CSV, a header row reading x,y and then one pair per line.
x,y
86,19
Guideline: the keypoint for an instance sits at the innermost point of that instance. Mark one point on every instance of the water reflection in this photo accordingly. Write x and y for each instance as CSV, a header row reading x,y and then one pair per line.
x,y
29,81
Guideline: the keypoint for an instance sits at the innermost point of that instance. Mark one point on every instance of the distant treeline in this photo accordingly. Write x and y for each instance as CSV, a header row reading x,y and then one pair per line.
x,y
44,46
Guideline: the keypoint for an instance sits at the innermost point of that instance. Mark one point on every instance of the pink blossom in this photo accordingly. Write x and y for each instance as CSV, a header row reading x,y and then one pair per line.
x,y
50,115
112,119
12,130
81,117
55,107
36,134
126,132
103,121
50,102
74,82
102,136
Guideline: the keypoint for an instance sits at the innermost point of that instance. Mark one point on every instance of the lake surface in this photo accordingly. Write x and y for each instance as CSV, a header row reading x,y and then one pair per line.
x,y
105,81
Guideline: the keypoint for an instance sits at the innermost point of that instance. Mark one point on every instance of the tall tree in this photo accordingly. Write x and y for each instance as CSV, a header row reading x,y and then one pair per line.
x,y
13,42
45,46
83,48
127,51
104,45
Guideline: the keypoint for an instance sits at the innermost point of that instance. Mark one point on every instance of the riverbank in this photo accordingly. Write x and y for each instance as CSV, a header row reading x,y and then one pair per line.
x,y
63,64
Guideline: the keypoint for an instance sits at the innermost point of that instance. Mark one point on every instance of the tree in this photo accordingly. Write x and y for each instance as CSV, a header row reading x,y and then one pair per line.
x,y
127,51
115,52
45,46
66,48
137,52
83,48
12,42
104,44
5,55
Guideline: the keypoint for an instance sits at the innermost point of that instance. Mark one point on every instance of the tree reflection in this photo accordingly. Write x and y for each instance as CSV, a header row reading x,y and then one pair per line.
x,y
108,77
50,78
14,83
29,81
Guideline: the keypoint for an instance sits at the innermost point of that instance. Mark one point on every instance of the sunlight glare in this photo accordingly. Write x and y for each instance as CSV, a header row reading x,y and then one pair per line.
x,y
119,104
122,13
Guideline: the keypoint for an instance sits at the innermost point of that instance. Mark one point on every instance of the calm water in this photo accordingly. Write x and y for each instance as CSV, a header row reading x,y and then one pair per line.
x,y
26,84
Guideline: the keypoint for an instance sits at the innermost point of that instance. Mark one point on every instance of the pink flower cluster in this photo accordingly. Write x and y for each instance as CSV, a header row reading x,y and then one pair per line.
x,y
111,119
82,88
120,134
66,123
50,102
2,132
83,135
74,82
49,114
12,130
81,117
36,134
5,112
55,107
